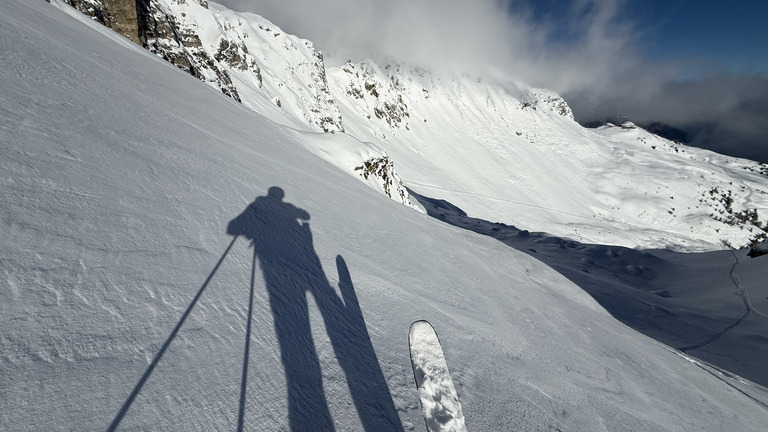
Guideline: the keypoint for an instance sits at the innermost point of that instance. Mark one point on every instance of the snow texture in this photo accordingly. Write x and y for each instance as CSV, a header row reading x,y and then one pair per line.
x,y
439,402
125,304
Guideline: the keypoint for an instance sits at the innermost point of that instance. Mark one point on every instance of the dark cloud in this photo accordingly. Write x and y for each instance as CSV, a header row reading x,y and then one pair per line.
x,y
724,112
588,52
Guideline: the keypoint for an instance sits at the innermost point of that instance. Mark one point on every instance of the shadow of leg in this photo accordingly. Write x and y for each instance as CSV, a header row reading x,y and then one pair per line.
x,y
307,405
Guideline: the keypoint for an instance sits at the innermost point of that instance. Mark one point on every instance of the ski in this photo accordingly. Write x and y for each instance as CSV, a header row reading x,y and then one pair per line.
x,y
439,402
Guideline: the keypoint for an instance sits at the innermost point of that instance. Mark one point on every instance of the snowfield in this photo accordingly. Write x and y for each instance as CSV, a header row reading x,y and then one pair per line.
x,y
173,260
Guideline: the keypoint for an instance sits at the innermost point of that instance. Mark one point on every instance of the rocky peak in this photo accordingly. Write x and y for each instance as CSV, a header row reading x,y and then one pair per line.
x,y
378,92
541,98
169,35
119,15
173,29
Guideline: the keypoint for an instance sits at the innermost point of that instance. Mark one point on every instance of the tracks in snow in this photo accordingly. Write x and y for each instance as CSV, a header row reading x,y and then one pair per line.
x,y
742,292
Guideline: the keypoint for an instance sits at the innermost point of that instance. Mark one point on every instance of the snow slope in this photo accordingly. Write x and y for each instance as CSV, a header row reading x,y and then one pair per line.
x,y
711,305
124,302
500,150
505,152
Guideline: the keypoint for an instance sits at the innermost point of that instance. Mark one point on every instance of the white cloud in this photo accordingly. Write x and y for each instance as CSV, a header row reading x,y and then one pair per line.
x,y
467,35
588,53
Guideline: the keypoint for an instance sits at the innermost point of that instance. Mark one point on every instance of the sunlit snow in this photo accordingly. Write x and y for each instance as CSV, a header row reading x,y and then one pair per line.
x,y
130,299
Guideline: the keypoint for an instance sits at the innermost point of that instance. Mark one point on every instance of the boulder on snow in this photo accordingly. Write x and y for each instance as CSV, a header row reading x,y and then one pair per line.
x,y
758,249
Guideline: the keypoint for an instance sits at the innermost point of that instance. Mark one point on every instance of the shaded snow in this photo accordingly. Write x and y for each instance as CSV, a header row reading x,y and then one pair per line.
x,y
711,305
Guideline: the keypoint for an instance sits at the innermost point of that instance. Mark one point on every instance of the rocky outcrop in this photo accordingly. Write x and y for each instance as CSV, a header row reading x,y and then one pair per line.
x,y
381,91
177,41
547,99
119,15
381,170
172,30
323,105
149,24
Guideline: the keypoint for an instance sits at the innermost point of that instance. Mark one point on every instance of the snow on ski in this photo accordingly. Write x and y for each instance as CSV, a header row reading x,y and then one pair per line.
x,y
439,402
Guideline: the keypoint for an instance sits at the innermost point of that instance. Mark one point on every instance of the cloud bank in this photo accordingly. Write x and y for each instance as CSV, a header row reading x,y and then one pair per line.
x,y
587,50
467,35
723,112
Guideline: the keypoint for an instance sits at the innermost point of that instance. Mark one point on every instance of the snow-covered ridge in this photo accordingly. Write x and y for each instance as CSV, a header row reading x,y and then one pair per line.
x,y
501,151
251,60
385,100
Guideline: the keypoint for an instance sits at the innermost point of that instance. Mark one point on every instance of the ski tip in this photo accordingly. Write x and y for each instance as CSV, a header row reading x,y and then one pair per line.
x,y
437,395
420,325
420,322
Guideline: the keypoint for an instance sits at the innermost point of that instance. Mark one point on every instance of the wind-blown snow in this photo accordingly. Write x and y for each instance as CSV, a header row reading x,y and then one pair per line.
x,y
124,302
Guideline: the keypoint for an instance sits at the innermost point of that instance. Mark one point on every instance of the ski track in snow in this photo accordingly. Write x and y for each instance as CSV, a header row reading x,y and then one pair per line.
x,y
744,295
720,374
503,200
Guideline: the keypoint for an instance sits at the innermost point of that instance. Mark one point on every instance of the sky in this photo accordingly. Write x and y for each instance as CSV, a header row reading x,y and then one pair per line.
x,y
697,65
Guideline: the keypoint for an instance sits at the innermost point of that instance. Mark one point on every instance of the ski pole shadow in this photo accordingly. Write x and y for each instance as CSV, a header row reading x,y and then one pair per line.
x,y
282,242
247,351
148,372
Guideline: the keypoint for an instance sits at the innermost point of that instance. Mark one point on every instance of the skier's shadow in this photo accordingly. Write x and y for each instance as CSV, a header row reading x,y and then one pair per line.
x,y
282,242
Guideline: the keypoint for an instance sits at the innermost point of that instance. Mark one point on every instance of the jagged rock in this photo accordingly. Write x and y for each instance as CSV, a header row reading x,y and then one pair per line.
x,y
119,15
166,34
382,171
550,100
759,249
382,92
331,121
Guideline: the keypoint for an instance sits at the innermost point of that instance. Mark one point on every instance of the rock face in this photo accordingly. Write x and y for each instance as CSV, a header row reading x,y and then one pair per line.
x,y
176,40
169,35
119,15
212,45
383,169
381,92
554,102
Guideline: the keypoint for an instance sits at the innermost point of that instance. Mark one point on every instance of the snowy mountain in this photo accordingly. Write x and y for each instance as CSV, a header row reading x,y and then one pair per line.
x,y
502,151
161,242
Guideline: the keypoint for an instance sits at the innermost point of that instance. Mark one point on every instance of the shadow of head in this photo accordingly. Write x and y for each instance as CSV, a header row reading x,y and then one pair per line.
x,y
276,193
